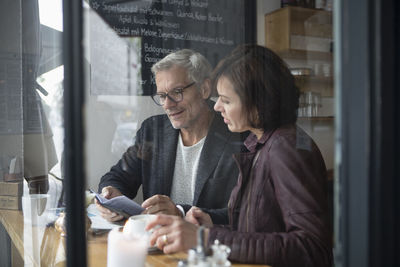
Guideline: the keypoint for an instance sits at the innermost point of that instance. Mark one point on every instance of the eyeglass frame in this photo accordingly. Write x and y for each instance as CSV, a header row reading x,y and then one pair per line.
x,y
178,90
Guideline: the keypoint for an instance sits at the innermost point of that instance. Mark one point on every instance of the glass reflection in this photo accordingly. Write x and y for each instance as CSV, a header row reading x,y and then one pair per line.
x,y
31,128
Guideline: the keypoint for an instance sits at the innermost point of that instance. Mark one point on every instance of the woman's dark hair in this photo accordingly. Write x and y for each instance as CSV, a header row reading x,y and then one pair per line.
x,y
264,84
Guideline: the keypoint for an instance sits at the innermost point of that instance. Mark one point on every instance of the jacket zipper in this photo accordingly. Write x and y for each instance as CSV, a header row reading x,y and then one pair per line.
x,y
248,205
250,189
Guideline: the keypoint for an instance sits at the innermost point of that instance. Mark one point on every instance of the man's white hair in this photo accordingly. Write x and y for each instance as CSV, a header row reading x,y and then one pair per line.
x,y
197,66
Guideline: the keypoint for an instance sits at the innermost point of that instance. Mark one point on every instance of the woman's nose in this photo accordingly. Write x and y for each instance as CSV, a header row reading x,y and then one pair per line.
x,y
217,106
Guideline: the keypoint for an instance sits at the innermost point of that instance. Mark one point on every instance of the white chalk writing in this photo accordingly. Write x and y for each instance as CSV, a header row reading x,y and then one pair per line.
x,y
157,50
164,24
199,3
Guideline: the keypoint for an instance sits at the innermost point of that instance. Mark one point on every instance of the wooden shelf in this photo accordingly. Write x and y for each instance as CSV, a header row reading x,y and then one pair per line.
x,y
314,79
315,120
330,118
300,33
305,55
303,34
319,84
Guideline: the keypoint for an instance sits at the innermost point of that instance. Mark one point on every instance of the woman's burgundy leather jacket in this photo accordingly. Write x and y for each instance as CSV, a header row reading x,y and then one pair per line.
x,y
278,214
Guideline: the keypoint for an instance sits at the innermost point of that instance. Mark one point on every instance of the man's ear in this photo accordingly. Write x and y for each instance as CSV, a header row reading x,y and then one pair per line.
x,y
206,89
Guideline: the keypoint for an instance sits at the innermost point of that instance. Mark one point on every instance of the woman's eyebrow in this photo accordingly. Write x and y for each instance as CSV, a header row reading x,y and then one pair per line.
x,y
223,96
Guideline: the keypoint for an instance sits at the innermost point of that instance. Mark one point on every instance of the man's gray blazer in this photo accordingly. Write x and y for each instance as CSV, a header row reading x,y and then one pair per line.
x,y
151,160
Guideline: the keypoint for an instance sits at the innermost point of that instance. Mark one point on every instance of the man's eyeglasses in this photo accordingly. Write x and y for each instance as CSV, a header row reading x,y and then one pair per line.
x,y
175,95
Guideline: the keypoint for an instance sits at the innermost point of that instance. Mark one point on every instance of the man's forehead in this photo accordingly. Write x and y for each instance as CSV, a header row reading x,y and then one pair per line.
x,y
170,79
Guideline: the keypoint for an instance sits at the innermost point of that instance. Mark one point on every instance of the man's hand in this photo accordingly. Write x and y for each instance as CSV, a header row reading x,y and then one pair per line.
x,y
198,217
109,192
160,204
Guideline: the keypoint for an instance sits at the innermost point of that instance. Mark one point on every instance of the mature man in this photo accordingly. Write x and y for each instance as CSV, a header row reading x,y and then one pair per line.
x,y
184,156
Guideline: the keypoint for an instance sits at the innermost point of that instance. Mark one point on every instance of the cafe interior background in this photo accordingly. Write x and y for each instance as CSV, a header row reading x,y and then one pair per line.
x,y
68,111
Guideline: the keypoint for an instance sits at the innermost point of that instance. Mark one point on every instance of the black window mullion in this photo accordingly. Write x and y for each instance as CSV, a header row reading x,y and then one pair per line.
x,y
73,149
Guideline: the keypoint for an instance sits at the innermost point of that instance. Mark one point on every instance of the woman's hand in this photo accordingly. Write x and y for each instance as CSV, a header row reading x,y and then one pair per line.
x,y
196,216
174,234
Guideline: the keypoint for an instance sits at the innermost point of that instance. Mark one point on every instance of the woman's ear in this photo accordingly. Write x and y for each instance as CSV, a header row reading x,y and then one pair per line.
x,y
254,117
206,89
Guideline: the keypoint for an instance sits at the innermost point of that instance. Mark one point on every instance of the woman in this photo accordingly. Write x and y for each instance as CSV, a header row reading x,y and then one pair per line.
x,y
278,210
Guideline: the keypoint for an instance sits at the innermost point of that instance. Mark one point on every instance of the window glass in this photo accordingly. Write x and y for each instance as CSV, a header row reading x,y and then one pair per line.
x,y
31,132
125,128
134,147
139,125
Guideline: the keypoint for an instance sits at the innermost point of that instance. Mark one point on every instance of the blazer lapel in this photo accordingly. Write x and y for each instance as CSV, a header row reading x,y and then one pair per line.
x,y
170,141
214,145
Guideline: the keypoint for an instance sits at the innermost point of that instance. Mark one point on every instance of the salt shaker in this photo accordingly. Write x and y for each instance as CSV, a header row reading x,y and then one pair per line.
x,y
197,257
220,254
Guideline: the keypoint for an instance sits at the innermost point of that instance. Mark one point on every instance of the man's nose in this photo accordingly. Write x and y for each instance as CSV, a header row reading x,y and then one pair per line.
x,y
168,103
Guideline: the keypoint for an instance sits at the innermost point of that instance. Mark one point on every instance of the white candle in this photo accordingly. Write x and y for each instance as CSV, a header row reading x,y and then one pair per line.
x,y
126,250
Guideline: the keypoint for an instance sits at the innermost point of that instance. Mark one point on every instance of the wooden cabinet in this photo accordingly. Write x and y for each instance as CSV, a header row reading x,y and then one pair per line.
x,y
300,33
303,38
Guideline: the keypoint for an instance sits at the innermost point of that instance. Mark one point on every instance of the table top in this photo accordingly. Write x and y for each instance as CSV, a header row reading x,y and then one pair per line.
x,y
44,246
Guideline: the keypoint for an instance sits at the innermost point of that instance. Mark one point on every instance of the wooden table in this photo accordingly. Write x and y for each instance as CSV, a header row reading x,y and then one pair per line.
x,y
44,246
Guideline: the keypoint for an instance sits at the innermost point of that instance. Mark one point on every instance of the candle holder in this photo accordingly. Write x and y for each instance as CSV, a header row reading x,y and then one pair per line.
x,y
125,249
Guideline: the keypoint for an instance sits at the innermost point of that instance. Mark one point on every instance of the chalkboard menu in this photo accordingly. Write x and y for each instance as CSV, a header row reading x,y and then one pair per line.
x,y
211,27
